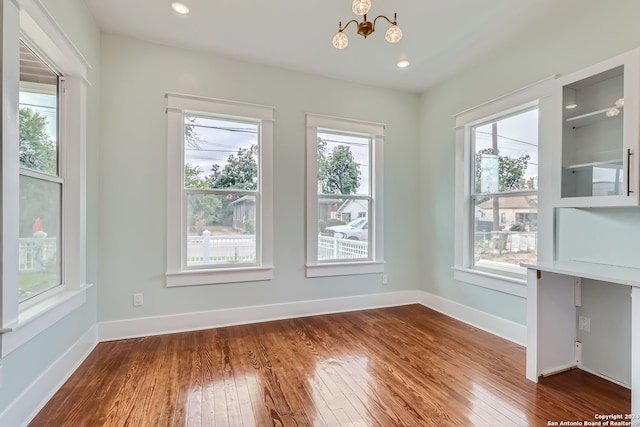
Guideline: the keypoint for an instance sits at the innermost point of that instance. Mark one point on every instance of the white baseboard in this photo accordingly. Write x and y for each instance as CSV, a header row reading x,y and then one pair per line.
x,y
148,326
503,328
142,327
26,406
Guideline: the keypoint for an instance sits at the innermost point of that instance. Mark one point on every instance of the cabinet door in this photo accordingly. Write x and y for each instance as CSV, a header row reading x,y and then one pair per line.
x,y
598,131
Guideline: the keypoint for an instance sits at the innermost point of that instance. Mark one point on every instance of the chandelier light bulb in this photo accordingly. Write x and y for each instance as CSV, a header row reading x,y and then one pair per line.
x,y
393,34
340,40
620,103
361,7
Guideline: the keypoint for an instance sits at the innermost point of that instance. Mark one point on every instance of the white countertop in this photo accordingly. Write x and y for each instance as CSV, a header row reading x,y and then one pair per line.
x,y
590,270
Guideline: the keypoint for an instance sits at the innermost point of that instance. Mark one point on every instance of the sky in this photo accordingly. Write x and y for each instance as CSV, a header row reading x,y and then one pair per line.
x,y
517,135
217,140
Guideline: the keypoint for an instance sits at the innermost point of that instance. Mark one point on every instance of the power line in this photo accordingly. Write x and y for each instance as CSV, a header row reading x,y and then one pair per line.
x,y
509,138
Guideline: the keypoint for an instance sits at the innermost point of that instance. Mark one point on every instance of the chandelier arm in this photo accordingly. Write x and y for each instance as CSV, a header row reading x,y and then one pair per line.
x,y
388,20
347,24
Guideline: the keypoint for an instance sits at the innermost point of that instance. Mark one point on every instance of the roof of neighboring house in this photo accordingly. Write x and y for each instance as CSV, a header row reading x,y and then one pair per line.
x,y
244,199
361,203
516,202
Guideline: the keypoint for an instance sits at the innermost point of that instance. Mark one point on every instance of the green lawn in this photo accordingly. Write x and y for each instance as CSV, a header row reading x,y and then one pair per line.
x,y
33,283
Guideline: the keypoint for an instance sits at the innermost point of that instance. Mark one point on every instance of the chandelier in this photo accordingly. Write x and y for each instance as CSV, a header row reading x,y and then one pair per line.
x,y
366,28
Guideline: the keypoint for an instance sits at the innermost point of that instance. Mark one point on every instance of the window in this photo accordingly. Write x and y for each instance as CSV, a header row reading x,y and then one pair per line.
x,y
41,186
43,175
504,192
220,172
344,196
497,212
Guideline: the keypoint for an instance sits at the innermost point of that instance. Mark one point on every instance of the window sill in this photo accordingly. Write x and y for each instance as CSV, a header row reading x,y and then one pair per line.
x,y
38,317
345,268
497,282
214,277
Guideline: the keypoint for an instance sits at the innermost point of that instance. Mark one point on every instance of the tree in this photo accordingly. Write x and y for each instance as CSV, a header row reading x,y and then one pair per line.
x,y
190,136
511,171
192,177
202,209
36,149
338,172
240,172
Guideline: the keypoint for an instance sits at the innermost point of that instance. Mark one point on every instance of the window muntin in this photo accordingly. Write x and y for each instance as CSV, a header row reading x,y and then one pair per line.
x,y
41,186
504,192
344,165
221,191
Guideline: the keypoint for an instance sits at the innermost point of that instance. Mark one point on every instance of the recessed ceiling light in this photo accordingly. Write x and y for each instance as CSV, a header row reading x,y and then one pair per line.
x,y
570,106
180,8
403,63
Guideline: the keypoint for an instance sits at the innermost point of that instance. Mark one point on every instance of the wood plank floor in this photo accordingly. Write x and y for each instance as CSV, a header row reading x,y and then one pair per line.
x,y
400,366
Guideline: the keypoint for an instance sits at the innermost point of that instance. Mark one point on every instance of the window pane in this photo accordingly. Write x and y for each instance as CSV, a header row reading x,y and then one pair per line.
x,y
506,154
38,146
221,230
39,244
343,229
505,232
343,164
220,153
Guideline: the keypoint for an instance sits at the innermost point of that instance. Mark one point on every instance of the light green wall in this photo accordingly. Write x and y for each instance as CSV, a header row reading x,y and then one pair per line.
x,y
568,41
133,173
24,365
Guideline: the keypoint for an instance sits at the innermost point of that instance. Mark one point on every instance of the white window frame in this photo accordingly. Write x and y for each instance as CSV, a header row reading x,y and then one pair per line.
x,y
536,95
177,274
375,264
20,322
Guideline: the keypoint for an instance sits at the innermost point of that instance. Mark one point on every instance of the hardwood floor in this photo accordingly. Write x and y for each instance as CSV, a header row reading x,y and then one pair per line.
x,y
401,366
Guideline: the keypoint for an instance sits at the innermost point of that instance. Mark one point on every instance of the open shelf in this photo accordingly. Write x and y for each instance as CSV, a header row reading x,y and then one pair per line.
x,y
592,117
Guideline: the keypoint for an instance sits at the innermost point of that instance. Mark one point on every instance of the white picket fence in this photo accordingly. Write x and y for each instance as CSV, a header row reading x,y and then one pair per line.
x,y
332,248
34,253
208,249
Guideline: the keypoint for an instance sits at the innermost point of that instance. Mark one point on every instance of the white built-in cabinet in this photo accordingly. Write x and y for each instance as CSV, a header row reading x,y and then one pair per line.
x,y
597,134
596,163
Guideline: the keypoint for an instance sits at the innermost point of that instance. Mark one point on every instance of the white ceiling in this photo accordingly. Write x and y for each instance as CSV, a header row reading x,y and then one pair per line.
x,y
440,37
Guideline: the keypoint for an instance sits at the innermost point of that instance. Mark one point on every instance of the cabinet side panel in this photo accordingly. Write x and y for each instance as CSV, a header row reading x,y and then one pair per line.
x,y
556,323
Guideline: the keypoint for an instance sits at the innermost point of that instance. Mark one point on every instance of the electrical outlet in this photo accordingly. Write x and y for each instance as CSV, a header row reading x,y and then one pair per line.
x,y
584,323
138,300
385,279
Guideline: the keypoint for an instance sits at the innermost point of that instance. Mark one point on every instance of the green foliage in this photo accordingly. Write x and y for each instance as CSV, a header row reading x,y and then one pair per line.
x,y
202,209
190,136
511,171
192,177
338,172
36,149
517,227
250,226
240,172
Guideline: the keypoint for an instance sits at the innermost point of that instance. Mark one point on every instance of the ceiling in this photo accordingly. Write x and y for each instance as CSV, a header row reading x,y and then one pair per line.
x,y
440,37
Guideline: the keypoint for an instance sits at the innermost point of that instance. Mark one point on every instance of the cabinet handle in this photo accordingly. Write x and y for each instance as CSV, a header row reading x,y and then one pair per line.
x,y
629,172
